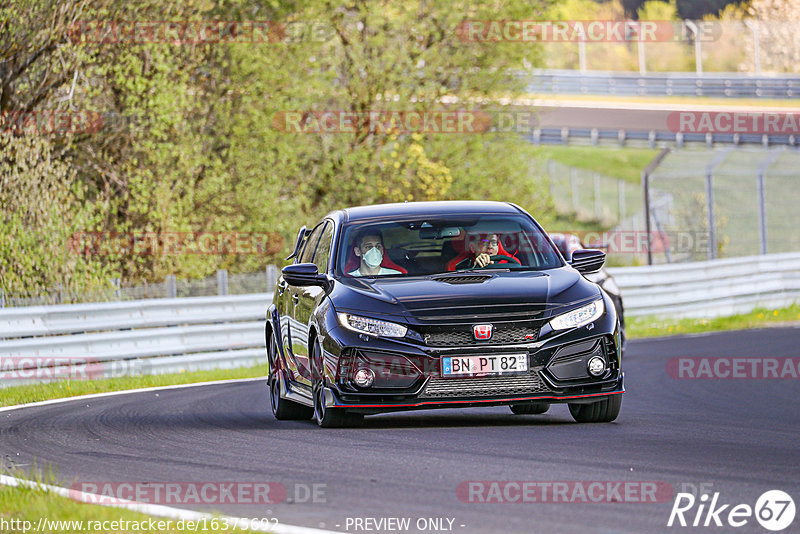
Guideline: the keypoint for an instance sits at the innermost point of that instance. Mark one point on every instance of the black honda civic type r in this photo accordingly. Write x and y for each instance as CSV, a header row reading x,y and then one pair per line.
x,y
439,305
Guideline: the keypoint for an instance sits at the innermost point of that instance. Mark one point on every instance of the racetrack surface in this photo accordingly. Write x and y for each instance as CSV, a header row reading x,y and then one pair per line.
x,y
741,436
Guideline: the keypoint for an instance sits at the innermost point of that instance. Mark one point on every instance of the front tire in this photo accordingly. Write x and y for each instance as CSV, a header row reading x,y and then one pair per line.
x,y
282,409
325,416
603,411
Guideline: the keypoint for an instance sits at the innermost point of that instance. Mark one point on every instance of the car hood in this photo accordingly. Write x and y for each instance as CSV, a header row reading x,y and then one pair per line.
x,y
426,299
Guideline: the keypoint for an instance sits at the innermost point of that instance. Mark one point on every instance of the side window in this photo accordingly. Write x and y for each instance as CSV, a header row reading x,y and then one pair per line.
x,y
324,249
307,255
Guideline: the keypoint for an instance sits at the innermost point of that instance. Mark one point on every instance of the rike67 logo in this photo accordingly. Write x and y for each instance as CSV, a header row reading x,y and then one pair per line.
x,y
774,510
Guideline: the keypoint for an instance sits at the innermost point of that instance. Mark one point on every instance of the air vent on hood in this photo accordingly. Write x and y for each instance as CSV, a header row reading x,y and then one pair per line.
x,y
464,279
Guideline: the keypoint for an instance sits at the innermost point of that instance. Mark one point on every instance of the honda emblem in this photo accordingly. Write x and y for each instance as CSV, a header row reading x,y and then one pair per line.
x,y
482,331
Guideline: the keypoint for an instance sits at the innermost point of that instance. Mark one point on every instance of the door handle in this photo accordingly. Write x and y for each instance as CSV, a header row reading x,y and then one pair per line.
x,y
296,298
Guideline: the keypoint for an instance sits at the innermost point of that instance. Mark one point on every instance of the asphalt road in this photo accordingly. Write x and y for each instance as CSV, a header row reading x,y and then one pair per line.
x,y
739,437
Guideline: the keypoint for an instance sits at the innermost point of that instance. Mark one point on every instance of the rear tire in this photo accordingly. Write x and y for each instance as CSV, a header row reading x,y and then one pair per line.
x,y
282,409
530,408
603,411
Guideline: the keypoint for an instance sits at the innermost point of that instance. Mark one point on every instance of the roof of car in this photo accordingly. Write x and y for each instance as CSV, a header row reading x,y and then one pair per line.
x,y
402,209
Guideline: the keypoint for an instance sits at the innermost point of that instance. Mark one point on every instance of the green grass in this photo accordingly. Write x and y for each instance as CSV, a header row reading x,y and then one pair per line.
x,y
640,327
71,388
19,504
623,163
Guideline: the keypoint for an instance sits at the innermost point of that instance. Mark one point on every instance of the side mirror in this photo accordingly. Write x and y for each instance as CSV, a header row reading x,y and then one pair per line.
x,y
305,274
587,261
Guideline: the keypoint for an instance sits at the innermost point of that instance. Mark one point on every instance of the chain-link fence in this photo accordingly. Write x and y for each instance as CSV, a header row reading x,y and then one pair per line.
x,y
592,196
726,203
221,283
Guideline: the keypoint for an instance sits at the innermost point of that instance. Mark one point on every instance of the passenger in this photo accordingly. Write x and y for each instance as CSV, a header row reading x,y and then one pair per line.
x,y
369,247
482,247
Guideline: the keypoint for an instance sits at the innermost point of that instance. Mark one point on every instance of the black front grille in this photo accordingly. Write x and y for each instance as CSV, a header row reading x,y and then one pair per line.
x,y
490,386
462,336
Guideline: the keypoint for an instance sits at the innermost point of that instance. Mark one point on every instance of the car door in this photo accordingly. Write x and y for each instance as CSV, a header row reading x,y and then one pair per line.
x,y
295,343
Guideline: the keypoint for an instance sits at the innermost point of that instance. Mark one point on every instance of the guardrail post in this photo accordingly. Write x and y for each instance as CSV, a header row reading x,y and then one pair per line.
x,y
573,180
646,192
222,282
272,277
762,202
642,58
172,286
698,50
117,283
2,298
753,26
712,228
597,209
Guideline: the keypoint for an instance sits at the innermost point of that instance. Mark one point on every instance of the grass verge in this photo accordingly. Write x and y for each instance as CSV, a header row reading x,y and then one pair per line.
x,y
623,163
71,388
641,327
22,508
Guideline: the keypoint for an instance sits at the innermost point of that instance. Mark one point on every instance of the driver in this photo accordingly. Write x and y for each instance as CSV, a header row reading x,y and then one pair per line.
x,y
482,247
369,247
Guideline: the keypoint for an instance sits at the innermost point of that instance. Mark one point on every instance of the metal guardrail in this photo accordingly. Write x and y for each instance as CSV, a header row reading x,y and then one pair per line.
x,y
197,333
710,288
654,138
720,85
151,336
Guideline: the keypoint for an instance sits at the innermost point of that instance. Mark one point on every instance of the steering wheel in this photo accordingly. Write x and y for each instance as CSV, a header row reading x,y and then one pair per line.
x,y
493,259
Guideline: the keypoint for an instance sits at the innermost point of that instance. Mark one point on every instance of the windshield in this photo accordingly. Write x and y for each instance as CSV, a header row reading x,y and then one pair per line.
x,y
424,246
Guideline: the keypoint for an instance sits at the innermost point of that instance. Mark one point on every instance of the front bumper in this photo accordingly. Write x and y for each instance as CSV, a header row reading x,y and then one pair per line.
x,y
556,372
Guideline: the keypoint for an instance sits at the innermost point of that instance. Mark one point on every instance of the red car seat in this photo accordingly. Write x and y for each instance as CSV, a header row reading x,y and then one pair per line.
x,y
460,246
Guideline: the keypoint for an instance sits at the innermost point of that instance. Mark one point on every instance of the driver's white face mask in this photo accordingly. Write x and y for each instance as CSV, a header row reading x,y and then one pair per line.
x,y
373,257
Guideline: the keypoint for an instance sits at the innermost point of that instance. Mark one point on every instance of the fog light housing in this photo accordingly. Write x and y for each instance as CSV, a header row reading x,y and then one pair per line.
x,y
596,365
364,377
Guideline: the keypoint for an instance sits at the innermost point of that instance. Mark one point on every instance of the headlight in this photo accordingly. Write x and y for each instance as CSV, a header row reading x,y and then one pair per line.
x,y
365,325
581,316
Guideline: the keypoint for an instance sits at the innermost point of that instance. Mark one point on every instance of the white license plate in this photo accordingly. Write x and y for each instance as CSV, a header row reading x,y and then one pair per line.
x,y
495,364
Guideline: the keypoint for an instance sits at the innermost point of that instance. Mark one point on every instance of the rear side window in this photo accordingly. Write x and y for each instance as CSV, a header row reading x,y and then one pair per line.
x,y
324,249
307,255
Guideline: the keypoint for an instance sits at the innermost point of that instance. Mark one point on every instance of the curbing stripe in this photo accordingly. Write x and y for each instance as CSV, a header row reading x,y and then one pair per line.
x,y
156,510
